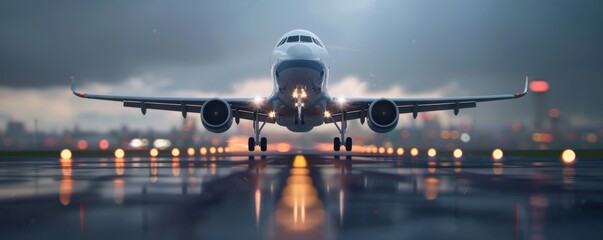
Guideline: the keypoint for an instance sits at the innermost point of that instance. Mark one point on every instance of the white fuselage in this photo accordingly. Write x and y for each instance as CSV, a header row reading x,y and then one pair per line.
x,y
300,71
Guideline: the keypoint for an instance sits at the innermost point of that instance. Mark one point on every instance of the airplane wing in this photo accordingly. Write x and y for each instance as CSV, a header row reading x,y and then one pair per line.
x,y
243,108
356,108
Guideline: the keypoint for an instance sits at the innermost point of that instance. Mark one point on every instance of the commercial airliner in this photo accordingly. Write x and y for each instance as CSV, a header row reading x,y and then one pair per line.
x,y
300,100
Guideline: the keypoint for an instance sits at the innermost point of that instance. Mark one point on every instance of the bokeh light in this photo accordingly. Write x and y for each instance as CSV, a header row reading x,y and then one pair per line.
x,y
414,152
457,153
431,152
175,152
568,156
497,154
190,152
119,153
65,154
154,152
103,144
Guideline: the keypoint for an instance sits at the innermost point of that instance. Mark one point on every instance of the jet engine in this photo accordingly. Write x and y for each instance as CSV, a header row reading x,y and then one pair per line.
x,y
216,115
383,115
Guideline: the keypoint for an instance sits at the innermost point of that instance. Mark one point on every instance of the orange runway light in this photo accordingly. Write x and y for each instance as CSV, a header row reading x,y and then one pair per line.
x,y
431,152
414,152
119,153
497,154
190,152
175,152
212,150
400,151
457,153
568,156
154,152
203,151
65,154
390,150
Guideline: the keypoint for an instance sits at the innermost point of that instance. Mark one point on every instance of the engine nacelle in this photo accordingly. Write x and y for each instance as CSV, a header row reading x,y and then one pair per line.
x,y
383,115
216,115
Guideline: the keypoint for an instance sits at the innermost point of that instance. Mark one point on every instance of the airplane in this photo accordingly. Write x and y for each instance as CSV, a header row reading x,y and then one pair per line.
x,y
300,100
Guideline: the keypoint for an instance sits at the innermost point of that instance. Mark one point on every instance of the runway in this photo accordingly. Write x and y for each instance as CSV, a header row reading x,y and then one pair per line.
x,y
295,196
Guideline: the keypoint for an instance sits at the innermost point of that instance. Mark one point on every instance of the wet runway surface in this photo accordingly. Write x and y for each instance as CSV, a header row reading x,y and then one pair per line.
x,y
300,197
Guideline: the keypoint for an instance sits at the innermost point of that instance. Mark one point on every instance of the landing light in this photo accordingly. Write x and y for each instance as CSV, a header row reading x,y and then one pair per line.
x,y
257,100
341,100
327,114
272,114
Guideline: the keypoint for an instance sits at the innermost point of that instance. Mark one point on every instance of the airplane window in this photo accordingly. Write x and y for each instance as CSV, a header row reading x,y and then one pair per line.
x,y
316,41
293,39
281,42
305,39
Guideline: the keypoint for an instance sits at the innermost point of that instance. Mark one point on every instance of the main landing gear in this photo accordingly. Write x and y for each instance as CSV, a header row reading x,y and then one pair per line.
x,y
337,142
253,142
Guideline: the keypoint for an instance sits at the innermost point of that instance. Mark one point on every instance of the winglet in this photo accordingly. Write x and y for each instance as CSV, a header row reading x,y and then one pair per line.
x,y
74,88
525,90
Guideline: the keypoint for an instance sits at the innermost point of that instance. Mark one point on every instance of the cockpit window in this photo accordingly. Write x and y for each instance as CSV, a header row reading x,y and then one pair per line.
x,y
293,39
316,41
305,39
281,42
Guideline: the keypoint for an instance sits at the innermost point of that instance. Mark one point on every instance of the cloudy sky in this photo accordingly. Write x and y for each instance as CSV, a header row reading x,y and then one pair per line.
x,y
222,48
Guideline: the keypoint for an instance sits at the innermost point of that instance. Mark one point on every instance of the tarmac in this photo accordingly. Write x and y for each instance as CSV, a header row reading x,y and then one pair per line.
x,y
297,196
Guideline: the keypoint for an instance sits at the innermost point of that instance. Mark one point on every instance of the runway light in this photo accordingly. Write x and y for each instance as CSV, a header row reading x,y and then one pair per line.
x,y
400,151
414,152
175,152
212,150
568,156
154,152
103,144
299,161
65,154
381,150
390,150
190,152
220,149
203,151
457,153
431,152
119,153
497,154
226,149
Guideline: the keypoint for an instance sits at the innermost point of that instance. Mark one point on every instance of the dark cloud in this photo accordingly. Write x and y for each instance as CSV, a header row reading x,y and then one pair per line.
x,y
486,46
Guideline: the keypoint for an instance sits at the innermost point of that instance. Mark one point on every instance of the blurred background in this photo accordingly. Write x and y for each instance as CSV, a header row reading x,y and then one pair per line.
x,y
377,48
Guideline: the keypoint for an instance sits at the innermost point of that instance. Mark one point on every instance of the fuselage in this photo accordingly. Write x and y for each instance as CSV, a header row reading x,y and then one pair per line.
x,y
300,71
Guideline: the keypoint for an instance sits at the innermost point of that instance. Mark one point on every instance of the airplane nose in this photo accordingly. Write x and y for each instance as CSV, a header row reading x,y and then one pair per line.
x,y
300,51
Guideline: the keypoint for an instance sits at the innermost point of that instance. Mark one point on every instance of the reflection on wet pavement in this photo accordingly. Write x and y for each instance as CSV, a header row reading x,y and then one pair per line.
x,y
301,197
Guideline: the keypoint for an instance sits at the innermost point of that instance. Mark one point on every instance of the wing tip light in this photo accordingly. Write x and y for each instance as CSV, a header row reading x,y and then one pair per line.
x,y
74,88
525,90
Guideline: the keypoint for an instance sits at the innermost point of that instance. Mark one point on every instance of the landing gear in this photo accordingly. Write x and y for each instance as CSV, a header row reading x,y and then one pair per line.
x,y
337,141
252,142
